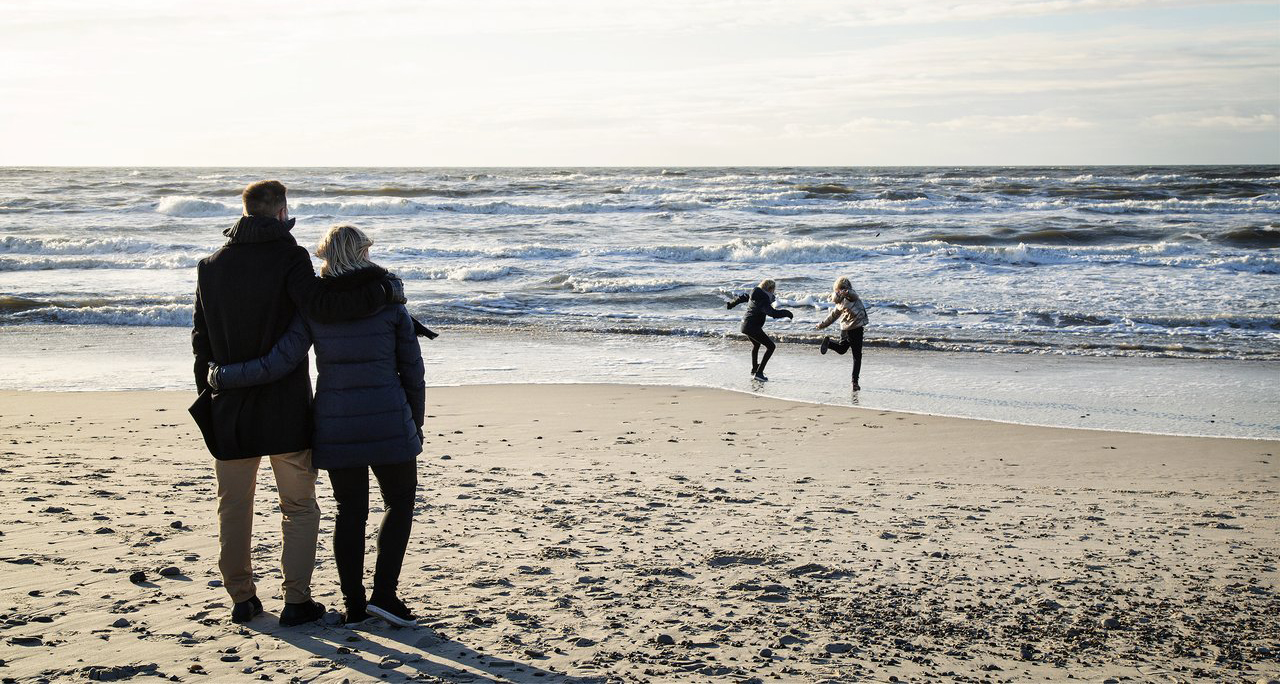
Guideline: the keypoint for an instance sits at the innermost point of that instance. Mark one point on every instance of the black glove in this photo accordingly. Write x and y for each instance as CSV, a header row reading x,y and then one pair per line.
x,y
788,314
422,331
212,378
395,289
421,440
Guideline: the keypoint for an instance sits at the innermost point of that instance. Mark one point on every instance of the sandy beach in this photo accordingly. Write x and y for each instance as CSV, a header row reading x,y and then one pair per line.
x,y
632,533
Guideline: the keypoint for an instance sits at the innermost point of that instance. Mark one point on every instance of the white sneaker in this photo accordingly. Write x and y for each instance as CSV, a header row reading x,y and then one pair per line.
x,y
395,613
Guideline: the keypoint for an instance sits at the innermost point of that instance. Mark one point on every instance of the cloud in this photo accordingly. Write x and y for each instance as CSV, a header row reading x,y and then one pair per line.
x,y
1013,123
1018,123
468,17
853,127
522,81
1225,120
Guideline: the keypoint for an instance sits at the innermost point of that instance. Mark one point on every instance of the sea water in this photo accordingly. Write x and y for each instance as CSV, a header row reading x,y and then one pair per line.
x,y
1040,268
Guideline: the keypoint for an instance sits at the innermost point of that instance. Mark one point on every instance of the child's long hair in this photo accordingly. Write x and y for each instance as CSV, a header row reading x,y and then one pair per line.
x,y
768,285
344,249
842,283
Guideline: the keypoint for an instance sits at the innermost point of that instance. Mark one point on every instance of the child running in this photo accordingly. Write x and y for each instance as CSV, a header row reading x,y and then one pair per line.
x,y
761,304
853,320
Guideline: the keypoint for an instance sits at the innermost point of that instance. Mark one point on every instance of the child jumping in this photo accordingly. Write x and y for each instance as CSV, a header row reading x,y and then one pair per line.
x,y
761,304
853,320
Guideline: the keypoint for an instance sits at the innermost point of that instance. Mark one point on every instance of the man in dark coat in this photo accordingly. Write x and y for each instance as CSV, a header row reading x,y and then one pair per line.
x,y
247,293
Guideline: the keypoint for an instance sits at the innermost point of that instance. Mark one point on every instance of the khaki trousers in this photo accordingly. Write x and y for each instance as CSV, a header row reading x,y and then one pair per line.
x,y
296,482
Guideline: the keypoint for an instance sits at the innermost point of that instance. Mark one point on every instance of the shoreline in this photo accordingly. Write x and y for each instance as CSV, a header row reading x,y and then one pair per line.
x,y
1218,398
190,394
617,533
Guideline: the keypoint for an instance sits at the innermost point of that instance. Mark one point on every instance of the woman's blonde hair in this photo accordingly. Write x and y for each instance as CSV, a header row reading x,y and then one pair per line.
x,y
768,284
842,283
344,249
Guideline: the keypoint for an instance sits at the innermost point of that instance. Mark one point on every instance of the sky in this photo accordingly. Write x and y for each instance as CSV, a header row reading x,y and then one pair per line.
x,y
638,82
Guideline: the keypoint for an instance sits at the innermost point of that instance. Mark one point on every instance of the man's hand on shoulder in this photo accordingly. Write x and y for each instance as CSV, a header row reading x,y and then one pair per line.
x,y
394,288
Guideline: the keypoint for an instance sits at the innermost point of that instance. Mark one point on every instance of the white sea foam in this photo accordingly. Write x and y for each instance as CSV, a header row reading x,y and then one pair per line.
x,y
48,263
472,273
530,252
771,202
12,244
158,314
194,207
587,285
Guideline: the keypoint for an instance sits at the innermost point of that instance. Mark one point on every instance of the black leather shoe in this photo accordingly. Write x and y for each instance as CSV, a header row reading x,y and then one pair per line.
x,y
295,614
244,611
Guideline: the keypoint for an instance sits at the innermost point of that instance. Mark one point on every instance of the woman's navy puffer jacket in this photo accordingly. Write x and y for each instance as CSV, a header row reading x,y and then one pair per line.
x,y
370,398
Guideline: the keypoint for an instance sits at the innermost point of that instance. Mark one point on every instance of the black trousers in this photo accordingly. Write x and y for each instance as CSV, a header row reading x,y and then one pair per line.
x,y
850,340
759,339
399,485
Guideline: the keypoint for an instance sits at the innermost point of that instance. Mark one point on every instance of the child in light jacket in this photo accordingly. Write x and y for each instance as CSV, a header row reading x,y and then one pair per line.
x,y
853,320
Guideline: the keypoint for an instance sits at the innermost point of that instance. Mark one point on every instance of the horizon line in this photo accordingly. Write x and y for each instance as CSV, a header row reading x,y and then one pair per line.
x,y
624,166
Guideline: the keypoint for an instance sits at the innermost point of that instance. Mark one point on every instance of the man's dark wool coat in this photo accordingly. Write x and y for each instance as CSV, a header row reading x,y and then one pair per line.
x,y
247,293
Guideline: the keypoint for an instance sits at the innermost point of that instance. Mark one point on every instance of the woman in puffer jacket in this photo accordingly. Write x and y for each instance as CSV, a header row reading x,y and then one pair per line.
x,y
368,414
853,322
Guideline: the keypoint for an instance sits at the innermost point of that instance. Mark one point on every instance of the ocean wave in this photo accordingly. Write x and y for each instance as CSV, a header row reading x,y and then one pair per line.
x,y
1076,235
600,285
751,251
528,251
1092,322
1164,254
167,314
647,189
823,199
1269,204
808,251
1266,237
49,263
194,207
406,191
473,273
60,245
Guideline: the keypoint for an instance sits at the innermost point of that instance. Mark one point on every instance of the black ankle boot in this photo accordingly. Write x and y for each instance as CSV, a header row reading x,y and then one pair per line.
x,y
245,611
355,611
295,614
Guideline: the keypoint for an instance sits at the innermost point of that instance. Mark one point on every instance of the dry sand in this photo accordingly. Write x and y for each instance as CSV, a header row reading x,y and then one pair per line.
x,y
624,533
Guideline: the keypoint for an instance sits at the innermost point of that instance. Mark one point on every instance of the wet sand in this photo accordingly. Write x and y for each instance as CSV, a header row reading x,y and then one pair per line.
x,y
631,533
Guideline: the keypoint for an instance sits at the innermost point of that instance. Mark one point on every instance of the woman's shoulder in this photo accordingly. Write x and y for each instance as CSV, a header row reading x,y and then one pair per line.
x,y
353,279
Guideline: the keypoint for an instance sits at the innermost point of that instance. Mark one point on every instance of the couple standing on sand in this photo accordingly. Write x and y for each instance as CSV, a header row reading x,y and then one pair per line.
x,y
259,307
848,308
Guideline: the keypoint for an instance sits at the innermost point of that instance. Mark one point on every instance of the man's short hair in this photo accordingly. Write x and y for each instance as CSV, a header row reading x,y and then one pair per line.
x,y
264,198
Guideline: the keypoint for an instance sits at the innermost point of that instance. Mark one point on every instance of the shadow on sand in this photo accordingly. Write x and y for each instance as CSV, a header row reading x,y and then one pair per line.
x,y
422,650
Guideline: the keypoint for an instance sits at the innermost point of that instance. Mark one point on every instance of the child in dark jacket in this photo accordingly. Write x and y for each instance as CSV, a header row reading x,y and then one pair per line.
x,y
760,304
368,415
